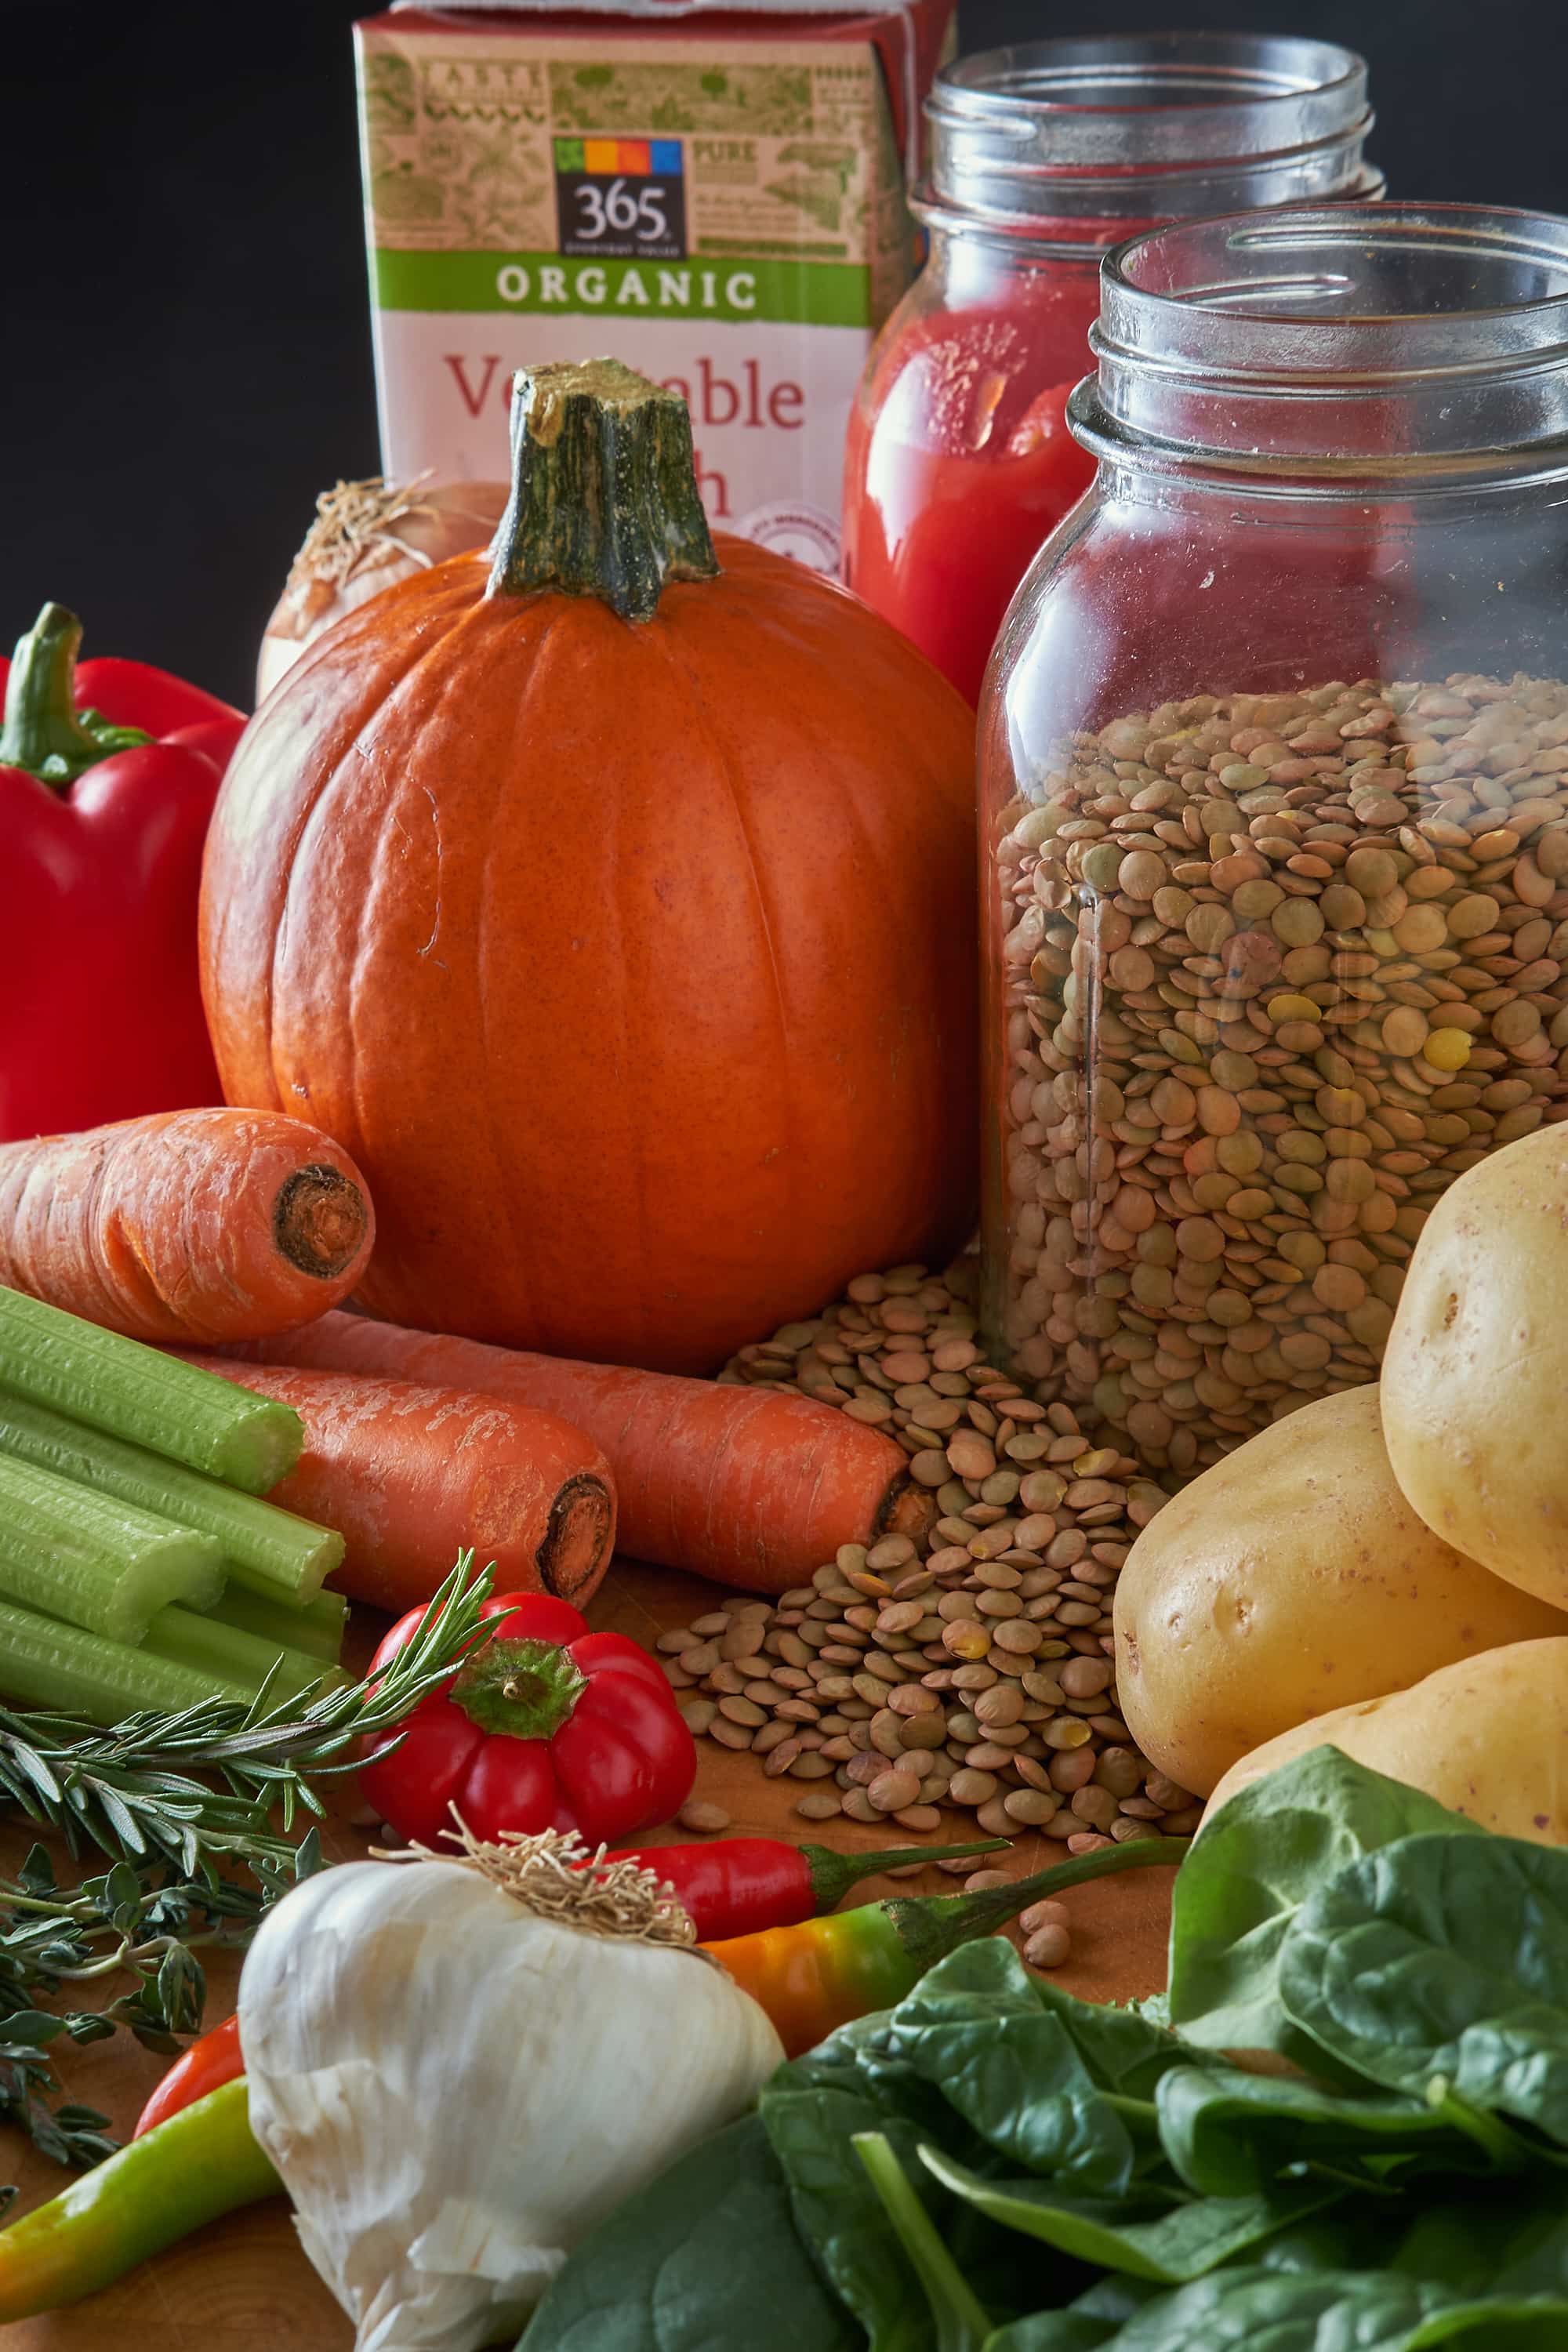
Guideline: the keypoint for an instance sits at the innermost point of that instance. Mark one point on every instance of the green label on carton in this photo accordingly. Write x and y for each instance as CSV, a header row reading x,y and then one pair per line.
x,y
742,289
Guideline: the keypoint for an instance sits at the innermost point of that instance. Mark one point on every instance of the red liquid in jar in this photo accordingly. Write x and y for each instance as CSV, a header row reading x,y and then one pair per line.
x,y
960,463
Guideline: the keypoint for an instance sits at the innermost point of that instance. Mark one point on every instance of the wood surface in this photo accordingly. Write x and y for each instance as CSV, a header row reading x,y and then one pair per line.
x,y
242,2285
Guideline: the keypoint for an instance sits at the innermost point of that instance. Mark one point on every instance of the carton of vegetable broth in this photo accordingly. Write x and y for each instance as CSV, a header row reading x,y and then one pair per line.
x,y
716,198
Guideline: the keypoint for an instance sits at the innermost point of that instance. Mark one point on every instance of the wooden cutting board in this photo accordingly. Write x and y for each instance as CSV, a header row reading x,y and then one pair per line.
x,y
243,2285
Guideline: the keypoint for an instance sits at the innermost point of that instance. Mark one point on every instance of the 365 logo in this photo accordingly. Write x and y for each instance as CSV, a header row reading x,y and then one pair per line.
x,y
621,199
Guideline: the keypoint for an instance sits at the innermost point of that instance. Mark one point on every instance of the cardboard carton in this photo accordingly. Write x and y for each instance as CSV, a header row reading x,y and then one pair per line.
x,y
715,197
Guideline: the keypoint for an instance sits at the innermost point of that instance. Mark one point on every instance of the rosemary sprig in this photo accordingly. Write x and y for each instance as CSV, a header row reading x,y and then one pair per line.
x,y
192,1864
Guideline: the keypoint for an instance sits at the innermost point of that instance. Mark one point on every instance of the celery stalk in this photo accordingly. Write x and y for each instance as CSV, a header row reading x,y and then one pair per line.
x,y
269,1550
317,1628
46,1664
222,1653
133,1391
96,1562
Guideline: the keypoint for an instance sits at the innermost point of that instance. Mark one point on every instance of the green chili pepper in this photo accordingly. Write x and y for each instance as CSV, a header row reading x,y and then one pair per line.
x,y
202,2162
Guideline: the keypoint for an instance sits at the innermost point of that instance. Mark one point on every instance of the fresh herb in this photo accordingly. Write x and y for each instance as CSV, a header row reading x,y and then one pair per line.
x,y
199,1815
995,2167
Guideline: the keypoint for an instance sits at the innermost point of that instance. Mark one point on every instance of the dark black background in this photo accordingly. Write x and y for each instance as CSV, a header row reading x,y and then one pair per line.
x,y
187,355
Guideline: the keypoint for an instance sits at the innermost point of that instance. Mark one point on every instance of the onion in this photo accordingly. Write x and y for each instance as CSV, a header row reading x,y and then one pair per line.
x,y
366,535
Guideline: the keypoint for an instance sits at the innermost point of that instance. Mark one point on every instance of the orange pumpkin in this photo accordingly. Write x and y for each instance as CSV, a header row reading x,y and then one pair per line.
x,y
614,909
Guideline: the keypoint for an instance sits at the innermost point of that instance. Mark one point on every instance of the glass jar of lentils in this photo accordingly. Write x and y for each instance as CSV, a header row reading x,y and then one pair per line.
x,y
1275,811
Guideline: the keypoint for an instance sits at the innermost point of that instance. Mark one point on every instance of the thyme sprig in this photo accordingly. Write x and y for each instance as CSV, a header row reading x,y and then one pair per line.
x,y
198,1814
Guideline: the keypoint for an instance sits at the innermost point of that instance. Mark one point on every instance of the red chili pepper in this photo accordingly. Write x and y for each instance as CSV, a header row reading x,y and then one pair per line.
x,y
735,1886
205,2066
108,776
544,1725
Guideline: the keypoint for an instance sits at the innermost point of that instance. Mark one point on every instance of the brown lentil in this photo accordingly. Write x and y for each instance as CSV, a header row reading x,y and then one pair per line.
x,y
1322,985
942,1676
707,1819
1048,1946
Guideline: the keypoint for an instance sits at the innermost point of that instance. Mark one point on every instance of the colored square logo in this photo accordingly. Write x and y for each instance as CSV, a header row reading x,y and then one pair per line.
x,y
602,155
569,155
665,158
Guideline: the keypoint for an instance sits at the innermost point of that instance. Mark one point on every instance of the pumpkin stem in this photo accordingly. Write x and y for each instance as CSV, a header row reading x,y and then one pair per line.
x,y
604,489
42,730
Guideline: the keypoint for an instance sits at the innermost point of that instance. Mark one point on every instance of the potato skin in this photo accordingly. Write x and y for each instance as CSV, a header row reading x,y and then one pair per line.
x,y
1474,1372
1487,1737
1290,1578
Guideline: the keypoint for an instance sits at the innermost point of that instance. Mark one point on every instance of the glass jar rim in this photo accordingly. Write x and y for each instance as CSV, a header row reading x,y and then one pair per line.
x,y
1144,125
1416,338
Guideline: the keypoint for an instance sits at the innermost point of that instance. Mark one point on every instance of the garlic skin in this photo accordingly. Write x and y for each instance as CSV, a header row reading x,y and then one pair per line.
x,y
456,2090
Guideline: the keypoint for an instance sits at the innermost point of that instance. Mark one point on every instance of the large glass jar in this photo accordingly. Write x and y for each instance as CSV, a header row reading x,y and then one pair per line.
x,y
959,460
1275,810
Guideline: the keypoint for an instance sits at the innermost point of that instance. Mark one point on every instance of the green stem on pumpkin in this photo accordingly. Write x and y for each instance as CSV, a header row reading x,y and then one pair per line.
x,y
604,489
42,730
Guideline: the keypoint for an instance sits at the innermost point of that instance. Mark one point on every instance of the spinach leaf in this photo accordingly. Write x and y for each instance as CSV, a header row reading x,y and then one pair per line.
x,y
705,2258
1229,2134
1127,2051
1443,1958
1126,2235
1251,2310
1267,1852
1012,2063
838,2211
1096,2318
857,2080
1509,2236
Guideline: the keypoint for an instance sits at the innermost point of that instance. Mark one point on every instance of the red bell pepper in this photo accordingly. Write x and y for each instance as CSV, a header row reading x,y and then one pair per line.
x,y
108,776
544,1725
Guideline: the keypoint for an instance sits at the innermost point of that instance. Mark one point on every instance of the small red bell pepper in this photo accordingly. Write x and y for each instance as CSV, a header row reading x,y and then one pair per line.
x,y
544,1725
108,776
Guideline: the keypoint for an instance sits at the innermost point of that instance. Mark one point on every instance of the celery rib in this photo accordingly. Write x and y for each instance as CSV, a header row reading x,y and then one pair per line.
x,y
223,1653
317,1628
96,1562
270,1551
131,1392
60,1667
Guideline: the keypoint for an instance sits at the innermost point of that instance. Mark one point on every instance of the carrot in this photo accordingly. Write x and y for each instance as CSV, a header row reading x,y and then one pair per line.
x,y
751,1488
410,1475
197,1225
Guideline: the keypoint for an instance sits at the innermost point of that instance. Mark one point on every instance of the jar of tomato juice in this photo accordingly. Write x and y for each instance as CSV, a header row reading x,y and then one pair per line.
x,y
959,461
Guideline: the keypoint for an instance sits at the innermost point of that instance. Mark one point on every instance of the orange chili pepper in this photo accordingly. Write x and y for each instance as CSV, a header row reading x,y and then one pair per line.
x,y
820,1974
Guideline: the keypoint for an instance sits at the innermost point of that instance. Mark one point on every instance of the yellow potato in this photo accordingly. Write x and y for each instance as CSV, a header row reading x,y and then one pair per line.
x,y
1475,1374
1487,1737
1290,1578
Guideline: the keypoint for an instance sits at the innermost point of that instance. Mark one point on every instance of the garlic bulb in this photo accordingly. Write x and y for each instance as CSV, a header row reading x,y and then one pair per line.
x,y
365,536
457,2086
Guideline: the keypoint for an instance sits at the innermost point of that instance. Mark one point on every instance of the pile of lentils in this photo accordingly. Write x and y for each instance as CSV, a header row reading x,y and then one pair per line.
x,y
1278,969
973,1669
